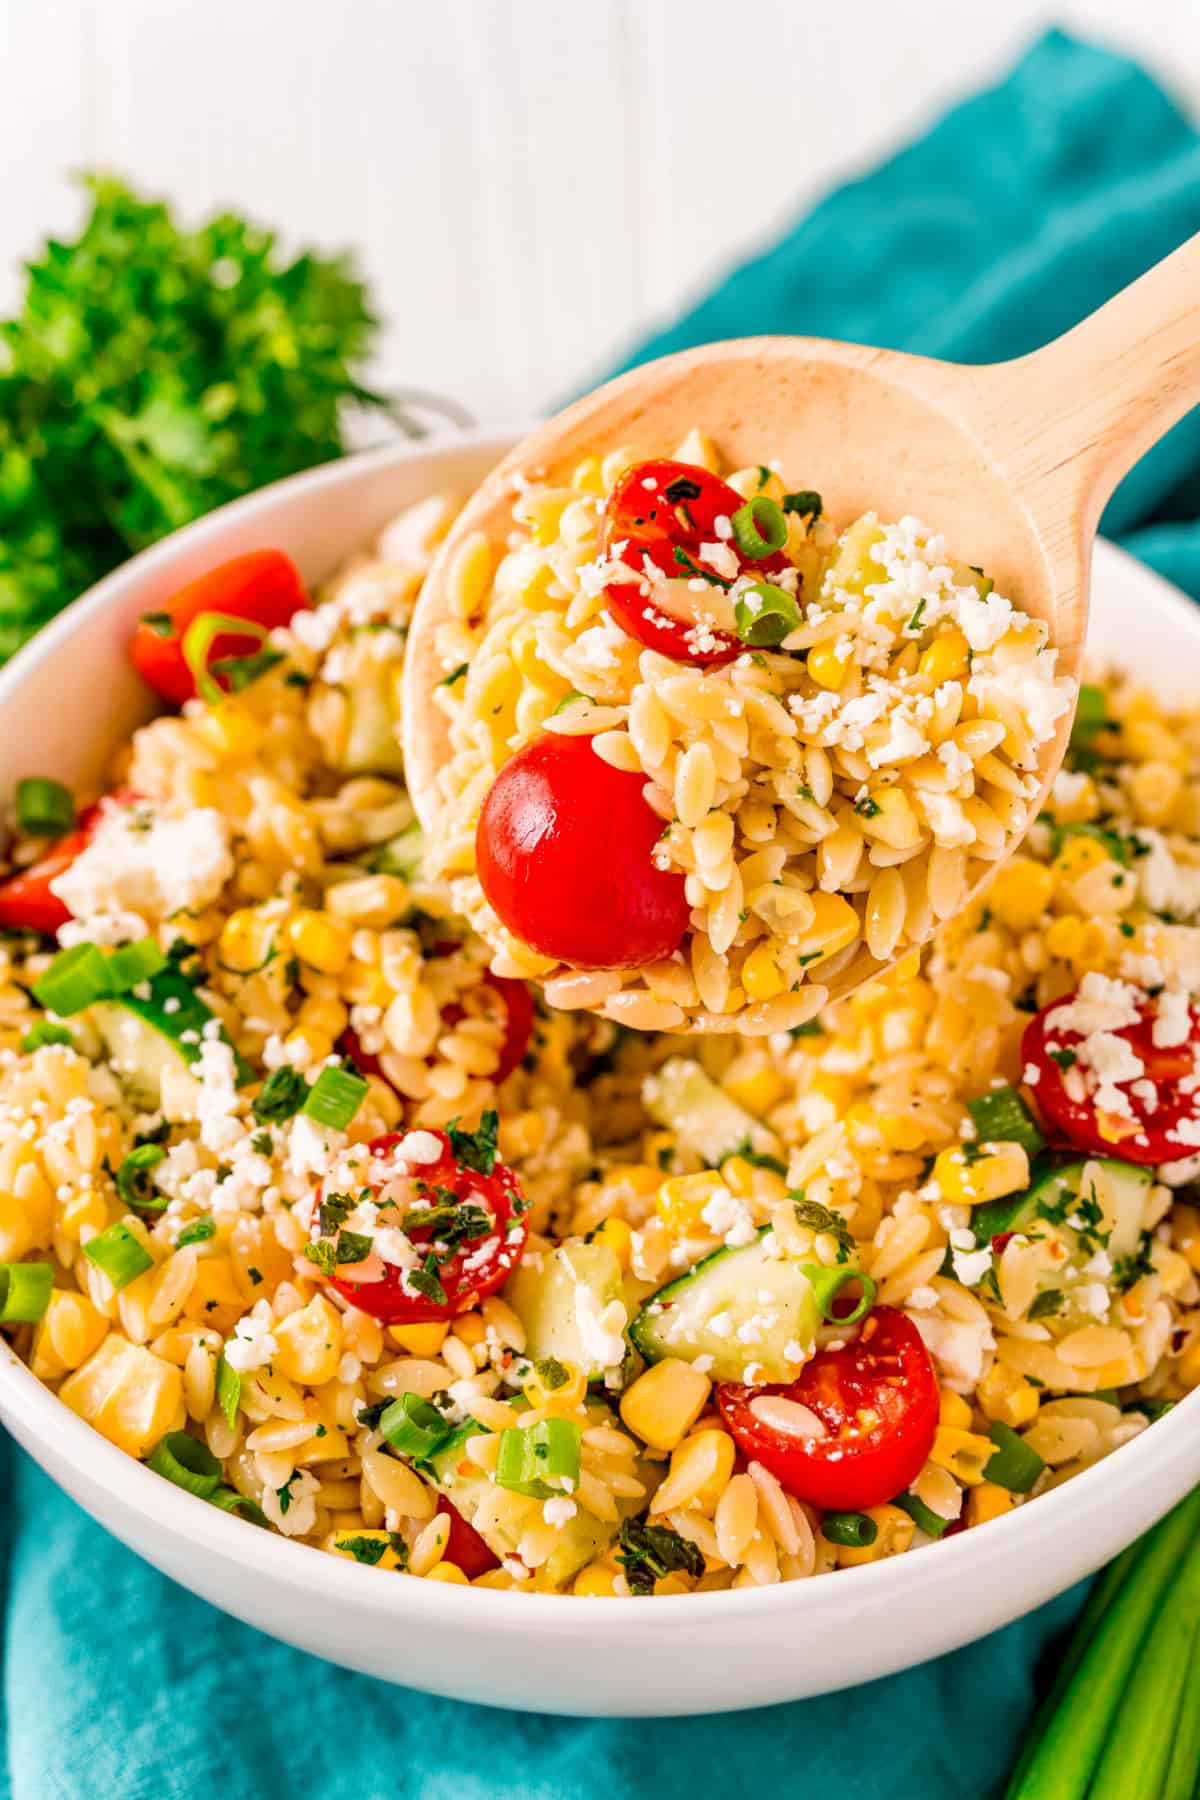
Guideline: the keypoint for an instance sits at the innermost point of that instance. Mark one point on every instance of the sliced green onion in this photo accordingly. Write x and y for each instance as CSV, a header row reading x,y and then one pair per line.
x,y
334,1097
759,527
541,1460
187,1462
1091,716
1001,1116
827,1285
44,808
230,1501
282,1094
765,614
1111,842
1015,1464
922,1516
119,1254
24,1292
135,963
229,1390
76,978
854,1529
413,1427
805,502
198,641
44,1032
133,1179
197,1232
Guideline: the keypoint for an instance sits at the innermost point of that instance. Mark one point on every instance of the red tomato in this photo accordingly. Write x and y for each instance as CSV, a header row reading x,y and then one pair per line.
x,y
476,1268
878,1400
464,1547
1164,1126
516,1005
644,520
263,586
26,902
563,852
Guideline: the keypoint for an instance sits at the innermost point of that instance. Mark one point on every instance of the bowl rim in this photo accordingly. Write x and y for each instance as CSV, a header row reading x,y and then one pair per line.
x,y
1027,1532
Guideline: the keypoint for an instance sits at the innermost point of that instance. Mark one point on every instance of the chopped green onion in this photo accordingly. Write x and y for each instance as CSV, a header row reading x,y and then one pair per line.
x,y
240,671
854,1529
334,1097
805,502
230,1501
135,963
133,1179
765,614
454,676
759,527
198,641
229,1390
413,1427
197,1232
922,1516
119,1254
44,808
283,1093
1001,1116
827,1285
44,1032
1015,1465
541,1460
24,1292
76,978
1091,716
187,1462
1113,844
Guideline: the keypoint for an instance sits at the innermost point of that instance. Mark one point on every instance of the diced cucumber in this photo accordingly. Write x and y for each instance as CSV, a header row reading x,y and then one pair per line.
x,y
1119,1190
737,1308
401,855
372,745
688,1102
559,1300
146,1037
854,567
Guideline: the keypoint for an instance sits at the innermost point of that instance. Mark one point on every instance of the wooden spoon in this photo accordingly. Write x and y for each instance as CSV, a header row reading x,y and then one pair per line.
x,y
1011,462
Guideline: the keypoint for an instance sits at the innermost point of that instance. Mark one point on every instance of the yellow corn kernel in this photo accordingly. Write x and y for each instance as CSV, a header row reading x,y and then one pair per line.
x,y
672,1584
215,1298
681,1201
1020,893
1155,789
988,1501
893,823
338,1543
130,1395
246,940
16,1231
893,1535
522,1134
826,667
332,1447
471,1329
318,1044
640,1178
564,1399
982,1172
447,1571
84,1208
321,941
70,1329
1004,1395
419,1340
1077,856
1082,806
946,658
619,1238
597,1582
760,974
324,1013
588,476
1149,741
665,1402
835,926
953,1410
754,1083
230,729
309,1343
1065,938
964,1453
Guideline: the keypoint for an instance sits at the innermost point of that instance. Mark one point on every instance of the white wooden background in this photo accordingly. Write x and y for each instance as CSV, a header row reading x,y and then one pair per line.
x,y
529,182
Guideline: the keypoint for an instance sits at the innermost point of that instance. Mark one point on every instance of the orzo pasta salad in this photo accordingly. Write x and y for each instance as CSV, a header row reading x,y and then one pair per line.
x,y
709,750
335,1225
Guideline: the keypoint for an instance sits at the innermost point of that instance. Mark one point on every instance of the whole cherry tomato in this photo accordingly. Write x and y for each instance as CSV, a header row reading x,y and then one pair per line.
x,y
264,587
1157,1118
469,1248
563,849
878,1401
666,512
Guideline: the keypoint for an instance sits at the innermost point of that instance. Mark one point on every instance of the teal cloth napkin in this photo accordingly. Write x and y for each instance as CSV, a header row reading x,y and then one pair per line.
x,y
1020,211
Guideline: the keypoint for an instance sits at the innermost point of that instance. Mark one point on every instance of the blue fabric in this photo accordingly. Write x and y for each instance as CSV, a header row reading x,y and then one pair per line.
x,y
1017,214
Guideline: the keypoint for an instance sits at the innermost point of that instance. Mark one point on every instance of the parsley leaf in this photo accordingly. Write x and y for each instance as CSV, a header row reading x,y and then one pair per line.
x,y
425,1281
363,1549
1046,1304
682,488
283,1094
476,1149
648,1552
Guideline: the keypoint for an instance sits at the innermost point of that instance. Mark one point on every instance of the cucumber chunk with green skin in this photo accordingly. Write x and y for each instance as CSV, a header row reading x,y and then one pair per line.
x,y
559,1299
147,1037
372,745
401,855
1117,1190
738,1309
703,1117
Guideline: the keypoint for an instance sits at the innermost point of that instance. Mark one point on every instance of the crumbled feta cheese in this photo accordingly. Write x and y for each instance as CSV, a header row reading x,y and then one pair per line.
x,y
142,864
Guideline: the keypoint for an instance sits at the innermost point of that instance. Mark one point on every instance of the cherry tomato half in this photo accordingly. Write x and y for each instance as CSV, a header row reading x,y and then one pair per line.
x,y
563,853
26,900
1163,1123
655,509
878,1401
464,1547
263,587
468,1273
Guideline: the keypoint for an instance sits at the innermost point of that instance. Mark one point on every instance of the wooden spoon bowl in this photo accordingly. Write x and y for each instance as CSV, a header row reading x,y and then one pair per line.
x,y
1011,462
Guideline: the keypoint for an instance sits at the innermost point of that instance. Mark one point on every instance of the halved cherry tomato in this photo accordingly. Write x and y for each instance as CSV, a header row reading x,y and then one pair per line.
x,y
878,1401
469,1273
655,509
563,849
263,587
1163,1124
464,1547
26,900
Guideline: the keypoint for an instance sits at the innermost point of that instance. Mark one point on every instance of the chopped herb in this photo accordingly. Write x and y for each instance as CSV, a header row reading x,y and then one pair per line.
x,y
425,1281
1066,1059
255,1276
160,623
684,561
820,1218
810,1028
323,1254
333,1211
296,678
363,1549
284,1494
353,1246
758,1158
476,1149
1126,929
764,474
240,671
1127,1270
283,1094
867,807
914,624
805,502
551,1373
454,675
1046,1304
262,1142
648,1552
198,1232
682,488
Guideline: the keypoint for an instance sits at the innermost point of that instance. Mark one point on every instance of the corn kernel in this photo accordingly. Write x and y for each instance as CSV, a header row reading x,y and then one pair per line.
x,y
964,1453
760,974
230,729
681,1201
597,1582
1077,856
317,1044
588,476
826,667
953,1410
338,1541
1007,1396
419,1340
215,1298
70,1329
893,1535
1020,893
986,1172
893,823
321,941
946,658
246,940
1065,938
447,1571
754,1083
618,1236
988,1501
130,1395
663,1404
309,1343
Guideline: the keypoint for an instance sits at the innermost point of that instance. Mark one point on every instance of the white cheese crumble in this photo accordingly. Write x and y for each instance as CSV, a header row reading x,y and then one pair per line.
x,y
143,865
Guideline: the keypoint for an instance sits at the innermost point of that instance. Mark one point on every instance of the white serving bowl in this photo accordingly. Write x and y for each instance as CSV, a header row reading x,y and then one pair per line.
x,y
66,702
